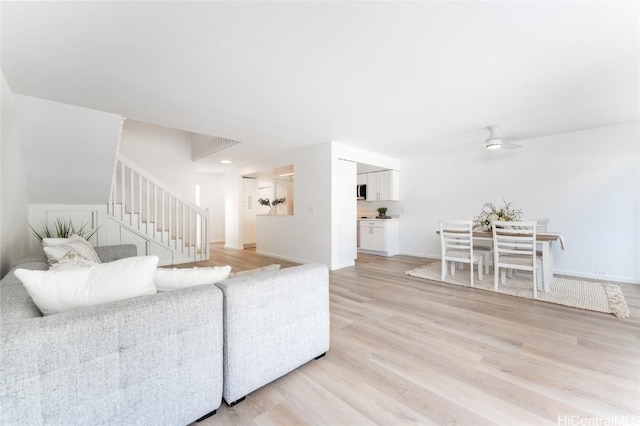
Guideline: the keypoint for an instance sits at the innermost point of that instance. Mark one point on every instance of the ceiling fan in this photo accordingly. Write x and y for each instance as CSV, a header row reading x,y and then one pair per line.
x,y
495,141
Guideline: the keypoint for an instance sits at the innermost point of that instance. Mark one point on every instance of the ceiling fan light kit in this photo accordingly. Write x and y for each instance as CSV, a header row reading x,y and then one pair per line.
x,y
494,143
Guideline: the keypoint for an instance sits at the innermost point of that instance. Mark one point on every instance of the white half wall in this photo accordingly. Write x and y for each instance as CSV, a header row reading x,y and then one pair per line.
x,y
587,183
69,152
14,203
306,235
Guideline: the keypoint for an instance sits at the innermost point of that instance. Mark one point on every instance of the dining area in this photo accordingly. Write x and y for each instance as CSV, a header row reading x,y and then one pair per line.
x,y
500,239
503,252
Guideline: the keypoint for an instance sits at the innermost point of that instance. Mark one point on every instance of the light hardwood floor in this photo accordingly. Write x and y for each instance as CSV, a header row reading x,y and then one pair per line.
x,y
406,350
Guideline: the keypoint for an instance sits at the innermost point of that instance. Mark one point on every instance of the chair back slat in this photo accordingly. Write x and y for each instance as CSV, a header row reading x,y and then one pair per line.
x,y
514,237
514,247
456,247
543,225
456,235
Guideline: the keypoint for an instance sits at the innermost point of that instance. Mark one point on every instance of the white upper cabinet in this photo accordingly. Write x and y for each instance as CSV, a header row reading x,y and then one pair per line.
x,y
383,185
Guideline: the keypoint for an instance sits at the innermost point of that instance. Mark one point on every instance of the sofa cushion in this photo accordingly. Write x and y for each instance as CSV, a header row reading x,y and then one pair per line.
x,y
151,360
168,279
75,249
255,271
116,252
273,323
37,256
59,290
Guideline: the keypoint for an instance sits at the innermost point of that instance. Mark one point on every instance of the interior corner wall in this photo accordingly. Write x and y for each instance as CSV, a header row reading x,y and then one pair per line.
x,y
586,182
164,152
233,192
14,203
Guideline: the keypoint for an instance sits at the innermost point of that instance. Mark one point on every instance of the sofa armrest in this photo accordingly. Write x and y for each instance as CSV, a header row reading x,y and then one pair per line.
x,y
147,360
116,252
273,322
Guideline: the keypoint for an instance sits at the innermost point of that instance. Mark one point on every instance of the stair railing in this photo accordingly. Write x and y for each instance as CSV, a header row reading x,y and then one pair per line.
x,y
144,203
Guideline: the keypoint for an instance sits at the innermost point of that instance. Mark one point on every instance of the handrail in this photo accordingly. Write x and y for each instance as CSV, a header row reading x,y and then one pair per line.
x,y
162,217
120,157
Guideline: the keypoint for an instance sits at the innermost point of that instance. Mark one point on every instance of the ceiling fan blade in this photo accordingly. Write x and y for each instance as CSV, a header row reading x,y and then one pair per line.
x,y
509,145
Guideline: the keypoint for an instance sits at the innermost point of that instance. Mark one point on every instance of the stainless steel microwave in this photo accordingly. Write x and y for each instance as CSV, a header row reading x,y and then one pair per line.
x,y
361,192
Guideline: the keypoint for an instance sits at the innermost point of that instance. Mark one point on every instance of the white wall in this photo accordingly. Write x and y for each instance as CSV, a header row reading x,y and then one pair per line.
x,y
233,211
14,205
212,198
164,152
69,151
587,182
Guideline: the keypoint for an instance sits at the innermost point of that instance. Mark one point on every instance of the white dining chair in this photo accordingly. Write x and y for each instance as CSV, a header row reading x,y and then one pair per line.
x,y
487,253
456,245
542,226
514,247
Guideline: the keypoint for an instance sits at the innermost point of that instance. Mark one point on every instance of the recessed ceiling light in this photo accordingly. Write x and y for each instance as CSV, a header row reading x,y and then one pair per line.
x,y
225,161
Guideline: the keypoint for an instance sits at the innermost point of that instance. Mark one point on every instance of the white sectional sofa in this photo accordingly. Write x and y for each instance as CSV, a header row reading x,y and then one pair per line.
x,y
157,359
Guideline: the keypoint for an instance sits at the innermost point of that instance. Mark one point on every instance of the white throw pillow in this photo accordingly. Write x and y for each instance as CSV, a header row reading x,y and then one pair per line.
x,y
64,289
175,278
74,249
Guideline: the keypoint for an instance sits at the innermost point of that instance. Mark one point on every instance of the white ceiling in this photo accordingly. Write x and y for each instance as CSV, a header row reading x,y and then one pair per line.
x,y
399,78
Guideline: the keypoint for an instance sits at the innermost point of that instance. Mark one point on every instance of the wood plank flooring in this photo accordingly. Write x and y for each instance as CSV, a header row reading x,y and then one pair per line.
x,y
405,350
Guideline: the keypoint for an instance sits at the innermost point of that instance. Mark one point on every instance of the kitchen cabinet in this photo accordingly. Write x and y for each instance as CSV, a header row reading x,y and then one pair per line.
x,y
379,236
383,185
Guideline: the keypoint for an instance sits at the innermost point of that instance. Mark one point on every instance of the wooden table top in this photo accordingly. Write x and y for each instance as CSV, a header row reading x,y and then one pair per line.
x,y
541,236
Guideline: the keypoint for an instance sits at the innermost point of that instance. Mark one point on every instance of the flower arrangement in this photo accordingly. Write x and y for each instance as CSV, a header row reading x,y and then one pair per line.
x,y
275,202
490,212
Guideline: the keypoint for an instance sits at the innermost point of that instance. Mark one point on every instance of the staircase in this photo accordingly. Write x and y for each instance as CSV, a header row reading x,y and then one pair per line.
x,y
149,215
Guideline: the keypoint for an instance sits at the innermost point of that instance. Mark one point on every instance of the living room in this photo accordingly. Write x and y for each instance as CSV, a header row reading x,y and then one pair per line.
x,y
409,87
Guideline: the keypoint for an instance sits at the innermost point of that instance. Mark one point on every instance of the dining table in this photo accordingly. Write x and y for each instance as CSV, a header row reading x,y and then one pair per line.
x,y
545,239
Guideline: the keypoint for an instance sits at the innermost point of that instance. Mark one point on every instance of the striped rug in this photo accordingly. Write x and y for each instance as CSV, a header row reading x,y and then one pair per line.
x,y
590,295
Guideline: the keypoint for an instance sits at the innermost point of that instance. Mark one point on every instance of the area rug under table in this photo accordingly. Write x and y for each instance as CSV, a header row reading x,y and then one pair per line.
x,y
590,295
